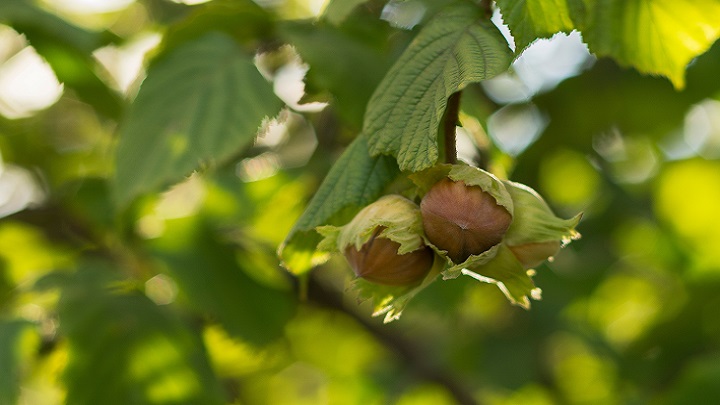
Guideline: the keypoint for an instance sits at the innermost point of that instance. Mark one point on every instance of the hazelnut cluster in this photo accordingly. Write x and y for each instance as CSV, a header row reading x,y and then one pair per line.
x,y
465,217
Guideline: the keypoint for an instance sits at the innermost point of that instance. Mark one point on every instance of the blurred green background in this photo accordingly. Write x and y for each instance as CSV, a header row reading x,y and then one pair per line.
x,y
179,298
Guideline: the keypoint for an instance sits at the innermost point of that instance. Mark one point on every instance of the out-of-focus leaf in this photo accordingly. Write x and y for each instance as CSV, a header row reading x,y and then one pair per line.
x,y
337,10
457,47
355,180
364,56
12,358
697,384
200,104
658,37
123,349
68,49
216,284
532,19
243,20
28,19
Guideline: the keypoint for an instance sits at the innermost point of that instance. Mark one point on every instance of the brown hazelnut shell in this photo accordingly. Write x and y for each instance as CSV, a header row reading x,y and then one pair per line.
x,y
378,261
462,220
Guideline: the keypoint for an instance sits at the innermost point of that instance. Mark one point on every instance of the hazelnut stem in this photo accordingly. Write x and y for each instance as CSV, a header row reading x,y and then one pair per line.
x,y
449,124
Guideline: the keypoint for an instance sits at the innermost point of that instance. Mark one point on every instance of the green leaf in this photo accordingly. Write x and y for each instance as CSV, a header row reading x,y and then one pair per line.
x,y
457,47
124,349
362,46
356,179
67,49
36,23
13,359
532,19
243,20
337,10
217,284
202,103
658,37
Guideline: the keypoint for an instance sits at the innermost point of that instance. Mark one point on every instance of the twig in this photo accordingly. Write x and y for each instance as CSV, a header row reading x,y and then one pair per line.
x,y
449,124
410,353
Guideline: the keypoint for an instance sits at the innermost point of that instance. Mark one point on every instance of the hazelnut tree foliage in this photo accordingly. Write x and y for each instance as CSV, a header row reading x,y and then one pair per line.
x,y
152,274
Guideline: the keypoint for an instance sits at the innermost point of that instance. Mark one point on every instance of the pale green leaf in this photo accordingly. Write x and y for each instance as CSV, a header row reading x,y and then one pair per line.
x,y
534,221
532,19
655,36
457,47
201,104
356,179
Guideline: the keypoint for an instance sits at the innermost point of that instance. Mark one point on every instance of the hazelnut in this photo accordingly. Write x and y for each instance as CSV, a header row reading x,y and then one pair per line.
x,y
462,220
378,261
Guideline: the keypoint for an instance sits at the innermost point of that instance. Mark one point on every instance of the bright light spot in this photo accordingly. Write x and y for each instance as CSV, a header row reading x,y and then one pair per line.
x,y
259,167
125,63
18,189
290,88
403,14
624,307
631,159
702,128
275,132
581,375
159,367
89,6
515,127
11,42
27,85
568,179
182,200
688,198
466,149
541,66
161,289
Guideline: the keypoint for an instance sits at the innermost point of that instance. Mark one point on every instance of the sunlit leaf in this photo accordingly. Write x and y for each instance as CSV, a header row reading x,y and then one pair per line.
x,y
216,284
355,180
457,47
201,104
123,349
532,19
655,36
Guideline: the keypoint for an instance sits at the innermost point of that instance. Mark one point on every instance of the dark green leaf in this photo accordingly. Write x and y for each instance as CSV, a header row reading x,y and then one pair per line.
x,y
355,180
459,46
202,103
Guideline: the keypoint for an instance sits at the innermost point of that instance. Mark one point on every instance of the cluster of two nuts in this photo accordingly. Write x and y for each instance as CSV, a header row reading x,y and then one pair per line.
x,y
459,219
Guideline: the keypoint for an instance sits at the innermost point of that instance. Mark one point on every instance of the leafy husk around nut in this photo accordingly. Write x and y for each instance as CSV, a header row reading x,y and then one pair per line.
x,y
385,247
536,234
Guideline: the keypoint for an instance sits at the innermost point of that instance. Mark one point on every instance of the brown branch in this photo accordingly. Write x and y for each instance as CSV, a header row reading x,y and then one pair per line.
x,y
412,355
449,124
